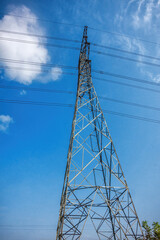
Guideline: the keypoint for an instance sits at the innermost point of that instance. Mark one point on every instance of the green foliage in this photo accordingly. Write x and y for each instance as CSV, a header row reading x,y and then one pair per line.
x,y
156,227
151,233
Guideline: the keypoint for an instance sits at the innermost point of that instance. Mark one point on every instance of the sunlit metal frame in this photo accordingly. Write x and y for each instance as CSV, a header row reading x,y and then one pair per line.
x,y
94,186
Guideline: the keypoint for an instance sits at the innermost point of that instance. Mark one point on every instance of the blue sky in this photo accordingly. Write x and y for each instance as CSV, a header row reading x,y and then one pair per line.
x,y
34,139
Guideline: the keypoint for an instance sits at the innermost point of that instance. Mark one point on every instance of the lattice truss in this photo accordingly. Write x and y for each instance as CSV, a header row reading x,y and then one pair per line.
x,y
94,188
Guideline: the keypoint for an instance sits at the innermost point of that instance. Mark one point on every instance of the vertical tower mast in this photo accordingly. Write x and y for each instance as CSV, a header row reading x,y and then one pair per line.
x,y
94,188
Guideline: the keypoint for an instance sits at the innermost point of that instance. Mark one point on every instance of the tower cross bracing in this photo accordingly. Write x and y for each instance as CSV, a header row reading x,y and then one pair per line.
x,y
94,189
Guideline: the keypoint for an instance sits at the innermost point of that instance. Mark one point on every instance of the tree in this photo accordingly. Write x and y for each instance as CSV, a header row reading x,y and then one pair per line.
x,y
151,233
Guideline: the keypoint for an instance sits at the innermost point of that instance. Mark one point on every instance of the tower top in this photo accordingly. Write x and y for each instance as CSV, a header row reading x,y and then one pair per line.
x,y
85,45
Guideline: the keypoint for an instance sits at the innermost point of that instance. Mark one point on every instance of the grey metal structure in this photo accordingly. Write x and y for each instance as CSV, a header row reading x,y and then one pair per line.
x,y
95,188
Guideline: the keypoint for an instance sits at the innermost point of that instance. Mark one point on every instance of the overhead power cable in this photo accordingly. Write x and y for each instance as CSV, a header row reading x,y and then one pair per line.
x,y
27,229
129,103
124,35
37,42
36,70
77,41
53,104
126,58
76,48
126,77
72,92
36,89
40,36
26,225
43,20
100,79
126,84
125,51
96,78
50,65
71,67
80,26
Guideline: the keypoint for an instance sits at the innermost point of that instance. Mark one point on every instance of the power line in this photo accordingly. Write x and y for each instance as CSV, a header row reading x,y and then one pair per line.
x,y
36,89
53,104
43,20
77,41
133,116
130,103
126,58
76,48
40,43
96,78
80,26
126,84
35,70
26,225
72,67
126,77
124,35
49,104
72,92
40,36
125,51
50,65
27,229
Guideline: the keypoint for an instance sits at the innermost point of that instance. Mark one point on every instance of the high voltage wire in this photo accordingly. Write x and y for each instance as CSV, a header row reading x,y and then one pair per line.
x,y
126,84
36,89
126,77
76,48
36,63
130,103
126,58
34,42
26,225
124,35
125,51
53,104
72,67
102,79
72,92
40,36
96,78
77,41
43,20
80,26
35,70
27,229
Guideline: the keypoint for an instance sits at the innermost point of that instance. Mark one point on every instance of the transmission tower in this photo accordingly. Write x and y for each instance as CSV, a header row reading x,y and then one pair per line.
x,y
95,202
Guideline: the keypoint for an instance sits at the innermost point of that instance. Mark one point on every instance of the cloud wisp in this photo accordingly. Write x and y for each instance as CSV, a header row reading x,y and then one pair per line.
x,y
5,121
21,51
142,17
56,72
23,92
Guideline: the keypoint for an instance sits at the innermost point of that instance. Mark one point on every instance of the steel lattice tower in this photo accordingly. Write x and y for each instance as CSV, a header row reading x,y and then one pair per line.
x,y
95,188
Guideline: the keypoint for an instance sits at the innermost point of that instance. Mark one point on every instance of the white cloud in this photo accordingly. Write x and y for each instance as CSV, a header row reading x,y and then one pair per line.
x,y
56,72
136,19
23,92
128,5
22,51
155,78
5,121
144,16
149,11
